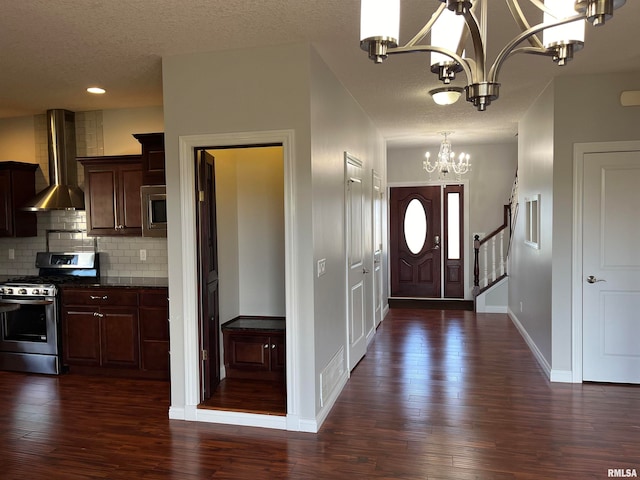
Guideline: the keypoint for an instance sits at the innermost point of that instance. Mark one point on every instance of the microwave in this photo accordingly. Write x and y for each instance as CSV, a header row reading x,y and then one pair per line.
x,y
154,210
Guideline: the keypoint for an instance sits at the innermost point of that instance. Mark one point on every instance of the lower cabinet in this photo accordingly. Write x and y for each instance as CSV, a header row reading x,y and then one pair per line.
x,y
116,331
254,352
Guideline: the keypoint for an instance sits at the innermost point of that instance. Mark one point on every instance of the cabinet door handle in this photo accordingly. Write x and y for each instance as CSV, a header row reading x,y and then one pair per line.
x,y
266,345
98,297
273,346
96,314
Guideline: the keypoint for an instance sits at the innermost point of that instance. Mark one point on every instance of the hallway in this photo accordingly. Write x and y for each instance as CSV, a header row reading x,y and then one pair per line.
x,y
439,395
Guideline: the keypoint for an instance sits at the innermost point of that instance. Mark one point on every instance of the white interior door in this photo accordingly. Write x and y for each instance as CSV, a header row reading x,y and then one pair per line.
x,y
356,271
377,248
611,267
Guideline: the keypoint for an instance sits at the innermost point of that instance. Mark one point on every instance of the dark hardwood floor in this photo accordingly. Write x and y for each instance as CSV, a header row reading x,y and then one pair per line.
x,y
439,395
249,396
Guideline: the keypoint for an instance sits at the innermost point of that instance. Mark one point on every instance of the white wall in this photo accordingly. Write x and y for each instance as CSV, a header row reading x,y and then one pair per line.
x,y
493,169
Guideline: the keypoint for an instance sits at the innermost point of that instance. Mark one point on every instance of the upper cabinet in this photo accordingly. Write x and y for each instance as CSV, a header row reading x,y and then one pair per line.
x,y
17,186
152,157
112,194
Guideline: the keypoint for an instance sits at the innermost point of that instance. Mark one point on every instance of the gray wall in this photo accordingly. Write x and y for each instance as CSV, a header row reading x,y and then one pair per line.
x,y
573,109
287,87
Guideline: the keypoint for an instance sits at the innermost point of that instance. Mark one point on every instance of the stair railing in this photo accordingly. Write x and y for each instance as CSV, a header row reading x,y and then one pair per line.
x,y
490,255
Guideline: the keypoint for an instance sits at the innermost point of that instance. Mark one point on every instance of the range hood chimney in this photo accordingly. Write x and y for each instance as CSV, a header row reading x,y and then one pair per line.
x,y
63,192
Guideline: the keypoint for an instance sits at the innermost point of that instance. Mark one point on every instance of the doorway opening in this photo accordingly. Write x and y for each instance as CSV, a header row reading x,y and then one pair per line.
x,y
242,324
427,242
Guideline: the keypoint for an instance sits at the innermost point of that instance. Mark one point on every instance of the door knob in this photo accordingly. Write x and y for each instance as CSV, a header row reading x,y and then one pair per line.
x,y
592,279
365,271
436,241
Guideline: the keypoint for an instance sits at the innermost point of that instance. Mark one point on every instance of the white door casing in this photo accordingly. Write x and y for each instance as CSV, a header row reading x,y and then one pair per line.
x,y
607,274
356,266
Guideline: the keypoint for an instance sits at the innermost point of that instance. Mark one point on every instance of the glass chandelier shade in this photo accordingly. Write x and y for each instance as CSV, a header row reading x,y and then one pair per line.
x,y
446,33
569,36
447,163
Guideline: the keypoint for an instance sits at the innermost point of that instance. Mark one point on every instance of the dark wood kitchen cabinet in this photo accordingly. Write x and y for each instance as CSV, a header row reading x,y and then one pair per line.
x,y
112,194
17,186
116,331
100,328
154,332
254,348
152,157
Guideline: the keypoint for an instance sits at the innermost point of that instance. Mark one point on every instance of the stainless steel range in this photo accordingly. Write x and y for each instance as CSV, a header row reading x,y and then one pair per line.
x,y
30,335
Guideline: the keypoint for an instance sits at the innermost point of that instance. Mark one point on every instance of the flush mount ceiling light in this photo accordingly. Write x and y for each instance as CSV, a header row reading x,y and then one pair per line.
x,y
446,95
446,162
562,34
96,90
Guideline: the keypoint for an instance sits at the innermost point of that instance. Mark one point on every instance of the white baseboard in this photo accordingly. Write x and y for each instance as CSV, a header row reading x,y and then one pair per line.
x,y
532,345
328,405
562,376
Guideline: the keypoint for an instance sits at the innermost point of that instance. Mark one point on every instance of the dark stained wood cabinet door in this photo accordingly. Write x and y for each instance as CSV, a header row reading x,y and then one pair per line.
x,y
154,332
112,195
119,337
250,352
81,336
100,201
415,265
278,353
6,220
17,186
130,212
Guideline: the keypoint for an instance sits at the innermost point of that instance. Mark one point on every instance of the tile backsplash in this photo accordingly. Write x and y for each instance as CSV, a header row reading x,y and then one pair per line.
x,y
119,256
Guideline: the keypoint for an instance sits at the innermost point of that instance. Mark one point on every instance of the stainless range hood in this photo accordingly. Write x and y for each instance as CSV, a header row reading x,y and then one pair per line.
x,y
63,192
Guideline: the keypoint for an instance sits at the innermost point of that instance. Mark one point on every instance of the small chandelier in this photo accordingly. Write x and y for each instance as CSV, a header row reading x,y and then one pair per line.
x,y
562,35
446,162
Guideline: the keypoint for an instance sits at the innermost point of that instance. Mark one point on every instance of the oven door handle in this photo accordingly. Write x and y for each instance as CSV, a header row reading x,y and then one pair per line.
x,y
26,302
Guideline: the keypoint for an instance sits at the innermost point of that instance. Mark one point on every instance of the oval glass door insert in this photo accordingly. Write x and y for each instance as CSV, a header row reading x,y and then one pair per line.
x,y
415,226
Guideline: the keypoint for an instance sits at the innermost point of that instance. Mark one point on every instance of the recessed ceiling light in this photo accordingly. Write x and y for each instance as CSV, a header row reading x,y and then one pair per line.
x,y
96,90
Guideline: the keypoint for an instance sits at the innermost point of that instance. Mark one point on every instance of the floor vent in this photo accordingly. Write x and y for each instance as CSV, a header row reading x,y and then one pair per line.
x,y
331,375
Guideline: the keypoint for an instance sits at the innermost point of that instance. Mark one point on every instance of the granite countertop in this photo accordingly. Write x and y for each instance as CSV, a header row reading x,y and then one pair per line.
x,y
125,282
256,323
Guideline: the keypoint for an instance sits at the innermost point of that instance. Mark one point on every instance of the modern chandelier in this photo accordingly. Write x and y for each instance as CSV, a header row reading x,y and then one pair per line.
x,y
562,35
446,162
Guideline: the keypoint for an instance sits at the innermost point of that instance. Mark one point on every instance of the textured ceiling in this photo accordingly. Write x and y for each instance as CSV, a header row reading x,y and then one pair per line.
x,y
50,51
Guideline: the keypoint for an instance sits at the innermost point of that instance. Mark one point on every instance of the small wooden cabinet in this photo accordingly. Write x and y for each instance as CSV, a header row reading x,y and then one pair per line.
x,y
254,347
152,157
116,331
154,332
17,186
112,194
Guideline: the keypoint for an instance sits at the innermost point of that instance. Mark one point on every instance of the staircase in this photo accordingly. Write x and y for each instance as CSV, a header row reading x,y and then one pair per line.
x,y
491,255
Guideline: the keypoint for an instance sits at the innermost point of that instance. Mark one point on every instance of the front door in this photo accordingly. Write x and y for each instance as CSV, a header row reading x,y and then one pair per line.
x,y
208,308
611,267
415,233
